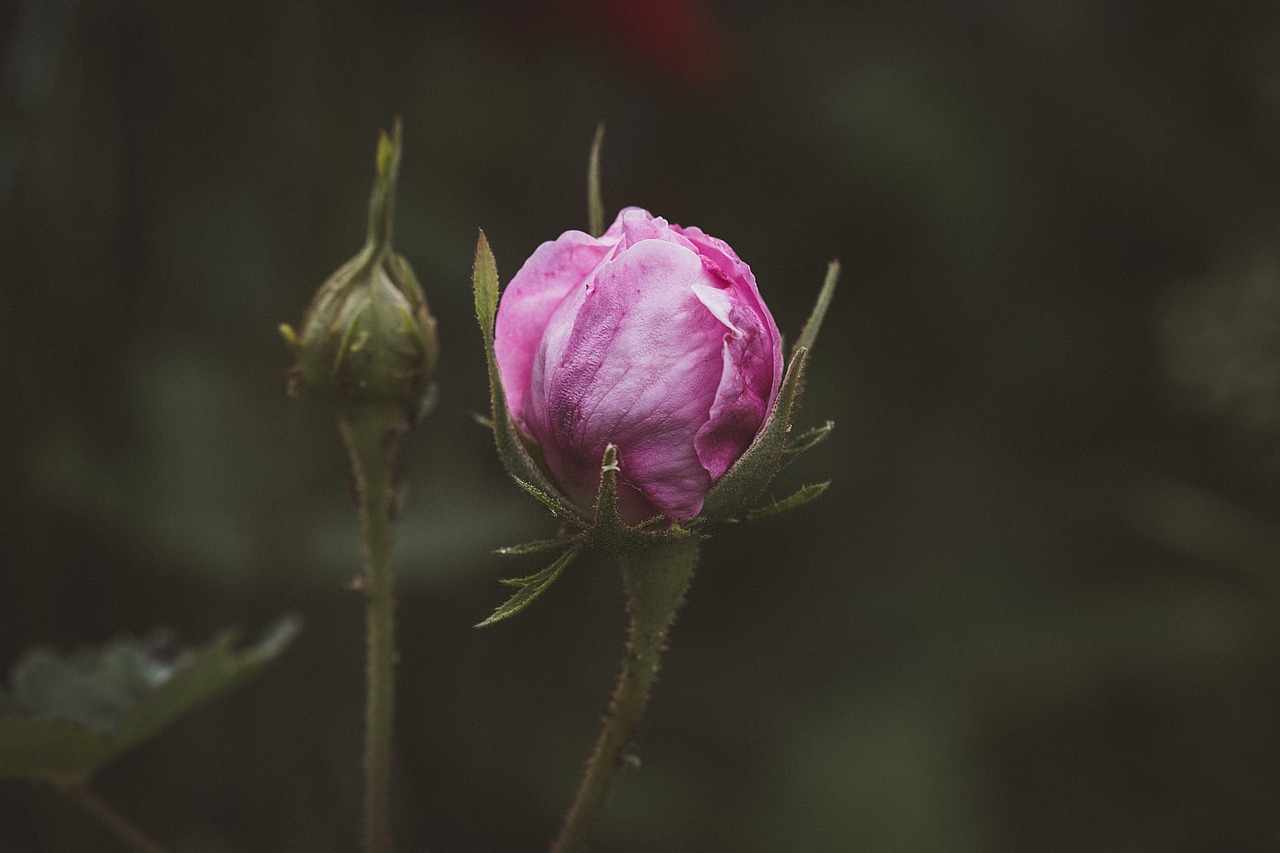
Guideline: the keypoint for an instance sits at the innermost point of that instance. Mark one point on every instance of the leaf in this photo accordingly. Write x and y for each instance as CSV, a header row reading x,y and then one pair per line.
x,y
54,750
798,498
531,587
535,547
515,458
214,671
595,206
94,688
809,334
808,439
73,715
744,483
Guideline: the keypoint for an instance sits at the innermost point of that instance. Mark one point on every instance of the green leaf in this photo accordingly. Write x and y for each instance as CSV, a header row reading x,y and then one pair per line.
x,y
809,334
531,587
53,750
595,206
94,688
808,439
73,715
535,547
800,497
215,670
515,457
744,483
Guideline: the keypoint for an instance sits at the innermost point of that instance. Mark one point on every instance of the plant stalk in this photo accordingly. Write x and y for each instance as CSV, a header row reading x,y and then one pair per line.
x,y
79,793
372,435
655,581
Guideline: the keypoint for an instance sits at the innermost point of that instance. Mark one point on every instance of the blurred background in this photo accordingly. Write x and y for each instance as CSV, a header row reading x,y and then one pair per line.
x,y
1037,609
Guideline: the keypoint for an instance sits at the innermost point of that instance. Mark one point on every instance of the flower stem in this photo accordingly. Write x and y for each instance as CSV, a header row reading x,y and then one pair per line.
x,y
80,794
372,435
655,580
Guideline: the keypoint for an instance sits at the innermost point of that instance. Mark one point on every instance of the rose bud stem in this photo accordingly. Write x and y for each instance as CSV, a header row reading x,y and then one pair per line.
x,y
368,343
655,580
373,443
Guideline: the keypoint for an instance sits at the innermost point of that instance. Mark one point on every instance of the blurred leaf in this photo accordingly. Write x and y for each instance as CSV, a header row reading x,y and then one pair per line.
x,y
69,716
55,750
531,587
216,670
94,688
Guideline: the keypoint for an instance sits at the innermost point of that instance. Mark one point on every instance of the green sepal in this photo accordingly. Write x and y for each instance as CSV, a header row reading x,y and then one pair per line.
x,y
69,717
798,498
595,206
809,334
807,440
529,588
744,483
558,507
535,547
515,458
608,532
290,337
368,336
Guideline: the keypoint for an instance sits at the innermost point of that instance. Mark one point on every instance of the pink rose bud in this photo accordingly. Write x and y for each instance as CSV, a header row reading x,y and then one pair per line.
x,y
653,338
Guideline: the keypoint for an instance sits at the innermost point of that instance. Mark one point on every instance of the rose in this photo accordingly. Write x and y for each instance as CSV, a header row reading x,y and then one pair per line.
x,y
652,338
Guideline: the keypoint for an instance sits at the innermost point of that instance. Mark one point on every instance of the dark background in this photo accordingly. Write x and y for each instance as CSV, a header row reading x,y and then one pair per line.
x,y
1037,609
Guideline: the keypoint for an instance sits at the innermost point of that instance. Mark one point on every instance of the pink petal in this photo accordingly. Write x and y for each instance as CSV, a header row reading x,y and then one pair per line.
x,y
528,302
639,368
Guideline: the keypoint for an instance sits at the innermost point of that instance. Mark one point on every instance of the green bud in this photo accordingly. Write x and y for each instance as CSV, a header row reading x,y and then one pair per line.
x,y
369,338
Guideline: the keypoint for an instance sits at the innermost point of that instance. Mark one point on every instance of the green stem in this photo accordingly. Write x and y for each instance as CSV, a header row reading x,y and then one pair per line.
x,y
80,794
372,436
656,580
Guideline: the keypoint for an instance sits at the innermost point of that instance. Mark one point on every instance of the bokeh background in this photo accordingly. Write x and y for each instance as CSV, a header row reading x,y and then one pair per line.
x,y
1037,609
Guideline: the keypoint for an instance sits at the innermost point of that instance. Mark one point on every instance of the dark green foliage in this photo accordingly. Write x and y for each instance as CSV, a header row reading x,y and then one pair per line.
x,y
68,716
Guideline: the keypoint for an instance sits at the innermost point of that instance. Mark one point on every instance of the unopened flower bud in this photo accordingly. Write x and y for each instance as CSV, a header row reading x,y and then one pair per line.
x,y
368,337
652,338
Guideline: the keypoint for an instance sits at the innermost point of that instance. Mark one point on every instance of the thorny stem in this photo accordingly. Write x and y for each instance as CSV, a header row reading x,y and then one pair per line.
x,y
656,580
373,435
79,793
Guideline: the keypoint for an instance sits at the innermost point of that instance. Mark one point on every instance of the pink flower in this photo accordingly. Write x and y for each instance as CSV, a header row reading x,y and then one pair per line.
x,y
653,338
